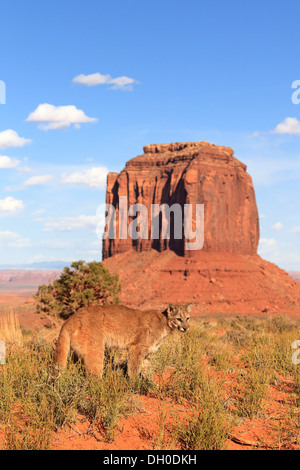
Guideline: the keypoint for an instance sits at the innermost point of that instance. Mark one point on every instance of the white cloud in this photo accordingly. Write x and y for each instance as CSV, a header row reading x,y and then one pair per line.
x,y
272,251
8,162
295,230
124,83
10,206
12,239
290,261
32,181
74,244
267,242
93,177
59,244
70,224
10,138
289,126
94,79
58,117
38,213
266,170
252,136
267,245
25,169
38,179
278,226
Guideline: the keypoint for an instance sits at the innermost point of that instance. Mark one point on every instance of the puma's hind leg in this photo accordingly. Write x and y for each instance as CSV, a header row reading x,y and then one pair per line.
x,y
93,359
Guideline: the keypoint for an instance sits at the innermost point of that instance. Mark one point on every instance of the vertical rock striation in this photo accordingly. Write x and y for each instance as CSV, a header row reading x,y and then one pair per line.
x,y
188,173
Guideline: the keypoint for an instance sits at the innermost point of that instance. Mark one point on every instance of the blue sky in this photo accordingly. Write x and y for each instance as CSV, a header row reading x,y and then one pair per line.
x,y
89,83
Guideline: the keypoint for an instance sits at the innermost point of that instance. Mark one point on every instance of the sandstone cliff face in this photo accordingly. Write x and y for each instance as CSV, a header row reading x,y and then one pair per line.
x,y
188,173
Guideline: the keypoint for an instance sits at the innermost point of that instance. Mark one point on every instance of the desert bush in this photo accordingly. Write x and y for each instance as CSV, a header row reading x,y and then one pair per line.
x,y
78,286
24,408
209,425
222,359
281,324
256,376
184,378
253,390
184,368
107,400
180,364
239,336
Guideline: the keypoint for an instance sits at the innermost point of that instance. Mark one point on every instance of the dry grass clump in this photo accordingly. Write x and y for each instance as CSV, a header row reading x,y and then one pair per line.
x,y
10,330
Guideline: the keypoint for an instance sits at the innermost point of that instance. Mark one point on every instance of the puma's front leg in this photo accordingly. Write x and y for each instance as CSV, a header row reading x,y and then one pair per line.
x,y
135,361
146,364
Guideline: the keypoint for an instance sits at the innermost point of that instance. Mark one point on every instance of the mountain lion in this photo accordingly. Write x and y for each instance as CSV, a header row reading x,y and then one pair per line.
x,y
90,330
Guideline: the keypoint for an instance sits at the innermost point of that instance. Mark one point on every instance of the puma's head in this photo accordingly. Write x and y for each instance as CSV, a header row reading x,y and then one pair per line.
x,y
178,316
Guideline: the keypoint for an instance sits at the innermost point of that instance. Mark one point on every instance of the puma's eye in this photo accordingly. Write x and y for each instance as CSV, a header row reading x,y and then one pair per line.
x,y
179,319
187,318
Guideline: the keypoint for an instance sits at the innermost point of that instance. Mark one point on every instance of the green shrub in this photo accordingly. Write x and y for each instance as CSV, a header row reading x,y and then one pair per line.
x,y
78,286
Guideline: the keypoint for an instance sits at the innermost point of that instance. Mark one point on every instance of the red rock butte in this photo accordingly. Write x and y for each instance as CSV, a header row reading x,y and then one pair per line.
x,y
226,275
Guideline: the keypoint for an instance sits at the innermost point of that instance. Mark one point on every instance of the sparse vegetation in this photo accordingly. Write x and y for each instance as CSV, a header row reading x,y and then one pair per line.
x,y
219,374
79,285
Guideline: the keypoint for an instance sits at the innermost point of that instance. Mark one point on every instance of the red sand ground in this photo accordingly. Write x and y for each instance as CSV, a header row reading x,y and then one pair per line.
x,y
140,431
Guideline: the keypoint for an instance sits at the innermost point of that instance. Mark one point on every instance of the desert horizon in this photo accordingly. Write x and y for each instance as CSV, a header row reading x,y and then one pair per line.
x,y
16,282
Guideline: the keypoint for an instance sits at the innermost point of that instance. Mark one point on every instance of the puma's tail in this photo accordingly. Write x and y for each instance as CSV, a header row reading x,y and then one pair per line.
x,y
62,349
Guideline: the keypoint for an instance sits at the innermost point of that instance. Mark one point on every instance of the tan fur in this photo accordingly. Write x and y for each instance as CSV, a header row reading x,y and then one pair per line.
x,y
92,329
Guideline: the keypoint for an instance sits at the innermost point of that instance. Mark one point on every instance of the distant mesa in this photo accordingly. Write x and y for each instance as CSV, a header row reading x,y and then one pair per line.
x,y
226,275
295,275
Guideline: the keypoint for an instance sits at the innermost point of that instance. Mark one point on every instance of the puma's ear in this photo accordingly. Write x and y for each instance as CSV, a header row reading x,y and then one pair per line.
x,y
189,307
170,309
